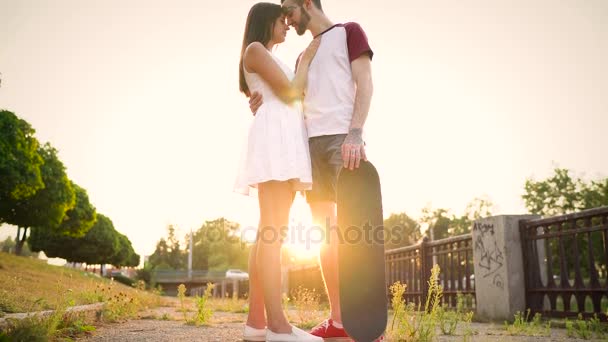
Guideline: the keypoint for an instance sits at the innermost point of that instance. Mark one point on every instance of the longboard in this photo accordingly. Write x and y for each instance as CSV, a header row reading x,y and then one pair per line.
x,y
361,268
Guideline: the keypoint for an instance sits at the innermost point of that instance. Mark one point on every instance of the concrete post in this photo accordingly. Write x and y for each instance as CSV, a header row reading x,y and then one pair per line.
x,y
499,268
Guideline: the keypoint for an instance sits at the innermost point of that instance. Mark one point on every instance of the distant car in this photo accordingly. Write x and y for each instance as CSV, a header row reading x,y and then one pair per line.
x,y
115,273
237,274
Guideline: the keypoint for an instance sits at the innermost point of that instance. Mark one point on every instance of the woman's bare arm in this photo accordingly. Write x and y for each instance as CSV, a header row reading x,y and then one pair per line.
x,y
258,60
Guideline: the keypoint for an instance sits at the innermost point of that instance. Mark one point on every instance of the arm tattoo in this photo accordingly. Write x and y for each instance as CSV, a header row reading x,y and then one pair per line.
x,y
354,136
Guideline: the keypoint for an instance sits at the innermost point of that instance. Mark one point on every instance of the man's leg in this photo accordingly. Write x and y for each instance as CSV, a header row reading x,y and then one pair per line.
x,y
326,163
322,214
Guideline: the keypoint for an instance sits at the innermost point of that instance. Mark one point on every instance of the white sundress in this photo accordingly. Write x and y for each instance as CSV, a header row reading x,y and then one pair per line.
x,y
277,141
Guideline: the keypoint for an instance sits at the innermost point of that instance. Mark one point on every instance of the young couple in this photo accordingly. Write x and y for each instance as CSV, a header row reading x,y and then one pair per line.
x,y
291,148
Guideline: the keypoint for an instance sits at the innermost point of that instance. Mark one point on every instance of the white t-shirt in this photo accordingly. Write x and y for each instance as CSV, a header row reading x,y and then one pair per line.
x,y
330,94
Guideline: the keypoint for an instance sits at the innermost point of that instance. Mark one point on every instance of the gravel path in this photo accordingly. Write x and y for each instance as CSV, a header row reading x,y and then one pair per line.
x,y
153,330
166,324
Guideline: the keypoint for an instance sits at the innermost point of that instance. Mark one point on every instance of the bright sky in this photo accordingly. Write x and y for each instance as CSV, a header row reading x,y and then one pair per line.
x,y
471,98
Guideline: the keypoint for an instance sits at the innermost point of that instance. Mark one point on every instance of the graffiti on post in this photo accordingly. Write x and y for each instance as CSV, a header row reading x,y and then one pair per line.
x,y
491,257
498,282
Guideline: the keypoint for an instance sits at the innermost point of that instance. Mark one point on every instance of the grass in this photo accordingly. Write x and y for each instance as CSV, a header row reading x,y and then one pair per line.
x,y
522,325
31,285
59,324
306,303
202,308
203,311
28,285
411,323
234,305
586,329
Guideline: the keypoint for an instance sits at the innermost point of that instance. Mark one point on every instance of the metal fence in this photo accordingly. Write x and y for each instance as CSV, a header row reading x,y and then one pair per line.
x,y
565,261
172,276
412,266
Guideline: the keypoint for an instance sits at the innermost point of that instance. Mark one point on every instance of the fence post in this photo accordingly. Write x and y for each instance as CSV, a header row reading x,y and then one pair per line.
x,y
499,267
235,288
426,263
223,288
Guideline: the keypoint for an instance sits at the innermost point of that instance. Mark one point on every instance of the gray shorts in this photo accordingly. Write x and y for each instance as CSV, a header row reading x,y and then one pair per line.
x,y
326,163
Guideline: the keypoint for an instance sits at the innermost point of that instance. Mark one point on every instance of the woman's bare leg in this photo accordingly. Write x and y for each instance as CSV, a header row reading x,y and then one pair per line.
x,y
256,318
275,202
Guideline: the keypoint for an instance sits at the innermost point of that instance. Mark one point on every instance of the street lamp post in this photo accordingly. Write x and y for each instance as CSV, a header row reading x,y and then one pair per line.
x,y
190,257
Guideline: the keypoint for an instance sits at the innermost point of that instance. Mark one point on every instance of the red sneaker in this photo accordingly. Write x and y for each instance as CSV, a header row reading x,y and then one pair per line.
x,y
329,332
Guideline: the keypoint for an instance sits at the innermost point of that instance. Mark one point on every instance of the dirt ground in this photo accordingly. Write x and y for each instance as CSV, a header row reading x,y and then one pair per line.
x,y
166,324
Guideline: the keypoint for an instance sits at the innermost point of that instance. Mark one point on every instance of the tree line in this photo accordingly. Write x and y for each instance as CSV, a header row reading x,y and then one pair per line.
x,y
217,244
559,194
36,195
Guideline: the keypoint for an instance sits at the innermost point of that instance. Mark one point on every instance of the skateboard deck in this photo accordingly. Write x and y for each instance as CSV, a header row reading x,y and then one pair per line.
x,y
361,269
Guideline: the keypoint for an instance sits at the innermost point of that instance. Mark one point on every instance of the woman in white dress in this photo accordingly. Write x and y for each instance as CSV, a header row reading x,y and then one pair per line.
x,y
276,162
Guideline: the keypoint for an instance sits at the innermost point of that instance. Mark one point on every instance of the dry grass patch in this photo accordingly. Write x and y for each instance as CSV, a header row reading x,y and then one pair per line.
x,y
28,284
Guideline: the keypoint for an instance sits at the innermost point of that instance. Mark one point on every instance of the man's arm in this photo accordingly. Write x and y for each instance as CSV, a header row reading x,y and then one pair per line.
x,y
353,149
362,75
255,102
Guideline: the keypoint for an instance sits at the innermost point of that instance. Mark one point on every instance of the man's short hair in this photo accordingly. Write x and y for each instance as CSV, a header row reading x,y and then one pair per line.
x,y
316,2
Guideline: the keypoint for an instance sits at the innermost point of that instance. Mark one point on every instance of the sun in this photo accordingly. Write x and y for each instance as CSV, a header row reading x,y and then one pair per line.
x,y
303,239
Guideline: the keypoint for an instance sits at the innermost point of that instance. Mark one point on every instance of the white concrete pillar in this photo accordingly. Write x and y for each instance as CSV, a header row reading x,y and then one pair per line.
x,y
499,267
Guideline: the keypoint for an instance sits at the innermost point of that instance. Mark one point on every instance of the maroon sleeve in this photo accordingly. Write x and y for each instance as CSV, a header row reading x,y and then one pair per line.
x,y
356,41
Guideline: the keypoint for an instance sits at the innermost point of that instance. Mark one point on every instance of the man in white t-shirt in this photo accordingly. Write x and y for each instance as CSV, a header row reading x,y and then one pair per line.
x,y
336,106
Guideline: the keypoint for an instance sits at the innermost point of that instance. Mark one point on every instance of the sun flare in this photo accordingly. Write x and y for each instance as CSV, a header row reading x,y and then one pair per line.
x,y
303,240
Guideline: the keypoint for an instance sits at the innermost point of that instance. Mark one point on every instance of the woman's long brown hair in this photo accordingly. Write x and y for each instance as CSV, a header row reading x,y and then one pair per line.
x,y
258,28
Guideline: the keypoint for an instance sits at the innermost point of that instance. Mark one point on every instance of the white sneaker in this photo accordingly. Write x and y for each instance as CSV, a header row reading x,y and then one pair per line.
x,y
253,334
297,335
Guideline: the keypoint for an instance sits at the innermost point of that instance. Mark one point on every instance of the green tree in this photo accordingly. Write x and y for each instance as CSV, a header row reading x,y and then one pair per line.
x,y
47,207
97,247
53,244
99,244
401,231
595,194
125,255
8,245
438,222
442,223
133,260
20,162
217,246
177,257
557,195
562,194
159,259
81,217
168,253
479,207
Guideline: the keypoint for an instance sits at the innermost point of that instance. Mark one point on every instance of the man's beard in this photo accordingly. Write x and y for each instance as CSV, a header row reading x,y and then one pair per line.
x,y
304,20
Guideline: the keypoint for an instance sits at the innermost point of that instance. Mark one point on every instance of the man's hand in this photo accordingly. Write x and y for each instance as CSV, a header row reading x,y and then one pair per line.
x,y
353,149
255,101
